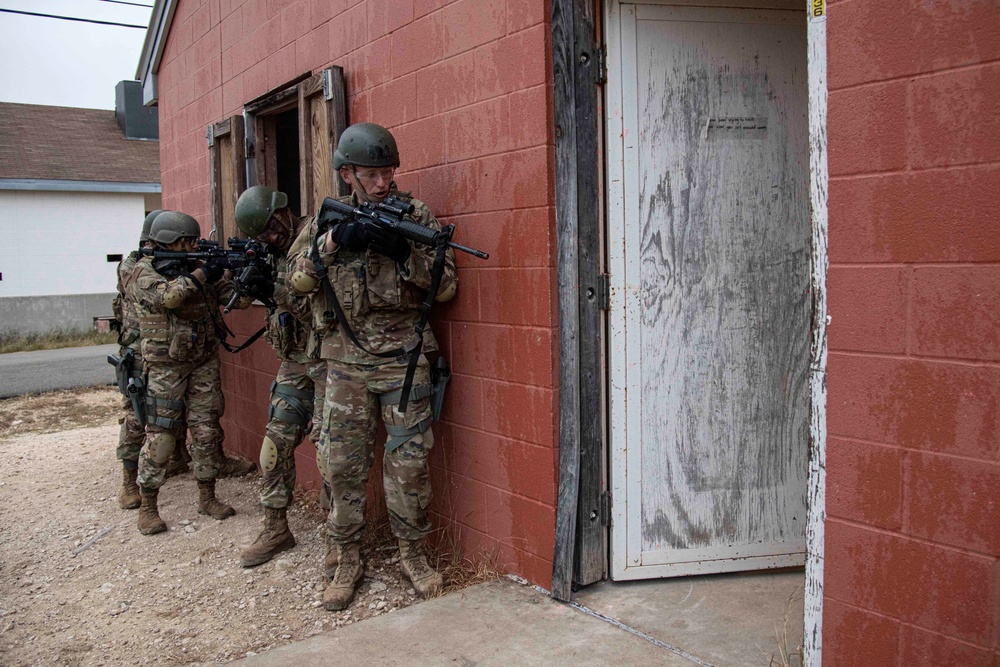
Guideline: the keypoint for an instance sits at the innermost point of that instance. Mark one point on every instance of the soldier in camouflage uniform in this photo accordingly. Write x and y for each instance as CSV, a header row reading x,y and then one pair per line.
x,y
177,308
380,279
297,391
132,431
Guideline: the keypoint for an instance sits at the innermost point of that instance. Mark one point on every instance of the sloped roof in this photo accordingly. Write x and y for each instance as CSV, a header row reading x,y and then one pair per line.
x,y
65,143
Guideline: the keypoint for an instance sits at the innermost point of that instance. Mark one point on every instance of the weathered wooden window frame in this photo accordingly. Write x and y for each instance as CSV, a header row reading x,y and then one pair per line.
x,y
227,178
297,93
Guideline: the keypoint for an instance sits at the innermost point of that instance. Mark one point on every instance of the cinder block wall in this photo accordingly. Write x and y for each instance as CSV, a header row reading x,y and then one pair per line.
x,y
913,474
464,86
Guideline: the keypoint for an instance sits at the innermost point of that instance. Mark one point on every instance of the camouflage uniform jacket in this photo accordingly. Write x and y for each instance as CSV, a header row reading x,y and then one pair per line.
x,y
187,333
380,299
124,305
289,326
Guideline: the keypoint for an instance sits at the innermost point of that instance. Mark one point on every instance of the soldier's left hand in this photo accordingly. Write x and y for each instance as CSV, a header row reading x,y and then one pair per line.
x,y
387,243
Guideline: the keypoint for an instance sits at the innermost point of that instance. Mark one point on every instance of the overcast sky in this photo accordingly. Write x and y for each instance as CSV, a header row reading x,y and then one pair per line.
x,y
68,63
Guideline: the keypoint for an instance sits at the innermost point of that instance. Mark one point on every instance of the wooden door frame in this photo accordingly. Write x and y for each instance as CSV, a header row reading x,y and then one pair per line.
x,y
577,65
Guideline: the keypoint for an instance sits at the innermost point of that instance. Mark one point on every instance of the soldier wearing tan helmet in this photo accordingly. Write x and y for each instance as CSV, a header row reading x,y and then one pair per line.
x,y
263,213
177,304
380,280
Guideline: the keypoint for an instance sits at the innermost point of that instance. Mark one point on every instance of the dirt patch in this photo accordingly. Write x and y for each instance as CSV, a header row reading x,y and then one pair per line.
x,y
80,586
58,410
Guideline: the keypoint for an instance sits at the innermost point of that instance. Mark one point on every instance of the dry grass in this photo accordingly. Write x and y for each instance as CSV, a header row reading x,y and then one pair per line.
x,y
459,570
443,551
11,342
59,410
784,657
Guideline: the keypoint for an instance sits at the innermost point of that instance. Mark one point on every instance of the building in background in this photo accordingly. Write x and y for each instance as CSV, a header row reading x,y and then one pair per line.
x,y
641,369
74,189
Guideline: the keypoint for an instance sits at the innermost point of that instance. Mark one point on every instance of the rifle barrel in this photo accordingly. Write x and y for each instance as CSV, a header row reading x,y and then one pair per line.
x,y
472,251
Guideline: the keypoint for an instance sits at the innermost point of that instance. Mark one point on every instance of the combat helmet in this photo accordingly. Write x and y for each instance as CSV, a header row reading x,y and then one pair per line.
x,y
147,223
366,145
256,206
172,225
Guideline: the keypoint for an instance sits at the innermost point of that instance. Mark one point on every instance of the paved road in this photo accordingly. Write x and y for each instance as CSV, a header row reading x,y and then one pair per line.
x,y
48,370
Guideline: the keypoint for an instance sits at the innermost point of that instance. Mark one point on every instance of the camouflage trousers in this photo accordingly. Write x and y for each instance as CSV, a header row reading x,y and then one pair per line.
x,y
356,395
298,387
132,433
175,390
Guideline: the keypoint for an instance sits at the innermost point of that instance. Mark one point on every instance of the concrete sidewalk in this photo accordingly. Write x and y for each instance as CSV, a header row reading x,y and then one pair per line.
x,y
721,621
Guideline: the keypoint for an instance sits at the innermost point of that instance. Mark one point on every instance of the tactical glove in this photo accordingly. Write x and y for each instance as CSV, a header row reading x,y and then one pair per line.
x,y
349,235
262,288
387,243
214,268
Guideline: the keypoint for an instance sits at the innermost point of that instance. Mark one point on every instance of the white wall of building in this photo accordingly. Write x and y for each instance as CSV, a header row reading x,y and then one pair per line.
x,y
57,243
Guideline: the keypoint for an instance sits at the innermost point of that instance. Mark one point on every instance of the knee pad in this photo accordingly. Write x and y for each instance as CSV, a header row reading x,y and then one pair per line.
x,y
268,455
159,446
299,400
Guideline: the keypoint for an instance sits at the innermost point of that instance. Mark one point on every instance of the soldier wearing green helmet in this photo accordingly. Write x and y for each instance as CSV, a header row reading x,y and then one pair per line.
x,y
380,280
179,323
297,390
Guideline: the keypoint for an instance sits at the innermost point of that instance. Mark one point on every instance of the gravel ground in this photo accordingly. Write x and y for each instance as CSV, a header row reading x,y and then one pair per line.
x,y
80,586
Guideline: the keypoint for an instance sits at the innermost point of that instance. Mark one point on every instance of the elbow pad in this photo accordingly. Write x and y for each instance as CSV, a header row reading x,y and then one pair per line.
x,y
447,293
302,282
172,299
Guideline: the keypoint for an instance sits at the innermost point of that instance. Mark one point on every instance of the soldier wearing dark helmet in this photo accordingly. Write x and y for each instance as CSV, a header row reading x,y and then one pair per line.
x,y
263,213
380,280
132,432
177,307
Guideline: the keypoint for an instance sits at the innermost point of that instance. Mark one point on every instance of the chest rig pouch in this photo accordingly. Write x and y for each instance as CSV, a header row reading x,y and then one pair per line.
x,y
284,333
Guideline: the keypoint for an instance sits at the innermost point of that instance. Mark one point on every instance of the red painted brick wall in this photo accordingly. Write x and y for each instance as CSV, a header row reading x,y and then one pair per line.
x,y
913,467
465,87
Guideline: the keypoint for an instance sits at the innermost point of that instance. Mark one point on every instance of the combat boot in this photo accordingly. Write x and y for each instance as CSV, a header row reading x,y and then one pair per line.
x,y
426,580
234,467
346,579
275,538
128,495
150,522
331,560
209,504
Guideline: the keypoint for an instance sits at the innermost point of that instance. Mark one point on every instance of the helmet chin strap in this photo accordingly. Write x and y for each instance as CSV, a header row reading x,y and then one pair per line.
x,y
358,188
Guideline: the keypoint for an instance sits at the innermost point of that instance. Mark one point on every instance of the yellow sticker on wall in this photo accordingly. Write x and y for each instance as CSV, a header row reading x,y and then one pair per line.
x,y
817,10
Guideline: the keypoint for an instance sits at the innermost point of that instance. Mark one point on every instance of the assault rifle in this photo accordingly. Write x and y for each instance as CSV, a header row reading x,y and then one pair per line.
x,y
254,277
390,215
246,258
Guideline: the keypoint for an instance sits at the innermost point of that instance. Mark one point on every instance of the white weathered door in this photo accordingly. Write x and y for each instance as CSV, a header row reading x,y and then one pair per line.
x,y
709,251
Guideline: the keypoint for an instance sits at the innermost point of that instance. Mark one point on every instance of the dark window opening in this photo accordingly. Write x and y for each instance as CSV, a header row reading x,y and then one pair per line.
x,y
114,258
286,134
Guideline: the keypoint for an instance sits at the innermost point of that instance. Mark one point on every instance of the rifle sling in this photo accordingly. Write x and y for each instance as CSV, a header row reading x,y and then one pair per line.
x,y
222,330
413,348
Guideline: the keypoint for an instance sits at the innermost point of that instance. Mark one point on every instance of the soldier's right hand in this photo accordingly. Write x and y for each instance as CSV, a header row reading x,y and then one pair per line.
x,y
213,269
